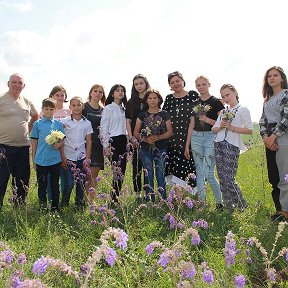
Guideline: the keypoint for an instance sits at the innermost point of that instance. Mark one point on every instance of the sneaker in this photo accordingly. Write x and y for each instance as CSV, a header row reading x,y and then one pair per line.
x,y
219,207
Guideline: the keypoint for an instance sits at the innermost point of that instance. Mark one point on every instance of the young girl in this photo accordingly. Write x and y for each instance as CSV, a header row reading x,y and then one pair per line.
x,y
274,131
200,136
93,112
59,94
230,124
152,128
135,106
113,135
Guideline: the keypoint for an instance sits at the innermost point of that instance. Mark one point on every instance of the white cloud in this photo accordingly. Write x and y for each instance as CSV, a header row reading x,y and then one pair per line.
x,y
224,42
22,7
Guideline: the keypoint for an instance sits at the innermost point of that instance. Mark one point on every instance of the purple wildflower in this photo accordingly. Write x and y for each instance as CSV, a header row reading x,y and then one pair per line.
x,y
21,259
208,276
180,225
40,265
195,239
111,256
271,274
7,256
250,242
286,256
230,252
200,223
239,281
164,259
189,272
85,269
189,202
91,190
121,240
149,249
97,179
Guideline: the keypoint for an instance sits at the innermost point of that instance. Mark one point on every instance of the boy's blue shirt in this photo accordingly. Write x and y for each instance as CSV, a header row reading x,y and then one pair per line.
x,y
46,155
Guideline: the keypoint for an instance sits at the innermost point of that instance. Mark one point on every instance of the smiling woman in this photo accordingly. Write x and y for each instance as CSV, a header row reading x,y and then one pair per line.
x,y
179,105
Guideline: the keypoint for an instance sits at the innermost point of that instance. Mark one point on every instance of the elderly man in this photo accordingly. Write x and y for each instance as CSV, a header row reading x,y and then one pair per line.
x,y
17,115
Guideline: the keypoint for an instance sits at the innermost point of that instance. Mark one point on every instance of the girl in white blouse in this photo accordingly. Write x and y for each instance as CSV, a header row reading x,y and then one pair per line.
x,y
113,135
232,121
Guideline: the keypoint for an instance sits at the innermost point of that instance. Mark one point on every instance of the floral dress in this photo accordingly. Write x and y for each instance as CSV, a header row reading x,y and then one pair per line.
x,y
180,110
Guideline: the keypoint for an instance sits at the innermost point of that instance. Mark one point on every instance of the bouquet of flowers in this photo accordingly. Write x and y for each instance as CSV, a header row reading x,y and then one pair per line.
x,y
226,114
153,124
201,109
54,137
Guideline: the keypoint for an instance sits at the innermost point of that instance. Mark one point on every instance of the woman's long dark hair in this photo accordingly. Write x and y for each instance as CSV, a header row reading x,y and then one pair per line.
x,y
134,92
110,97
267,90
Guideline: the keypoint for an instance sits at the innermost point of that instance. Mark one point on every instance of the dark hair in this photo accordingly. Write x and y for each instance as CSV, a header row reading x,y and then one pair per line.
x,y
231,87
48,102
148,92
134,92
110,97
267,90
56,89
103,99
176,73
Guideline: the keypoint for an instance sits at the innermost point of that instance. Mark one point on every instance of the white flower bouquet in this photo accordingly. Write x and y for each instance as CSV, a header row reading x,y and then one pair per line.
x,y
201,109
54,137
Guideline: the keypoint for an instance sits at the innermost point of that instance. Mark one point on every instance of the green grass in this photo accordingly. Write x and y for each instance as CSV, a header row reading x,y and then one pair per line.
x,y
70,237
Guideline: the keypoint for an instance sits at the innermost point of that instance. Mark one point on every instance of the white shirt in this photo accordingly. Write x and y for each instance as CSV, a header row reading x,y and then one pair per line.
x,y
113,123
242,119
75,140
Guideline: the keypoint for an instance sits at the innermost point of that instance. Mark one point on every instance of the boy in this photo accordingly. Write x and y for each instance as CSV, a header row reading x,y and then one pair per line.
x,y
77,151
47,158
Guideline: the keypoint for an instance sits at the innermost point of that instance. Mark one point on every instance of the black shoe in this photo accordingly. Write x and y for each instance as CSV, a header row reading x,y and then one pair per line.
x,y
278,217
219,207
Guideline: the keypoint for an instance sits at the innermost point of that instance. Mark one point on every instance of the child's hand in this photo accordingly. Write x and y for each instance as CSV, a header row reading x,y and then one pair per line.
x,y
58,144
152,139
64,164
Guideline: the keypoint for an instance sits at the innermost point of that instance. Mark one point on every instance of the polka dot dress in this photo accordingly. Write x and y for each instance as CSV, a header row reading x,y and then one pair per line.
x,y
180,110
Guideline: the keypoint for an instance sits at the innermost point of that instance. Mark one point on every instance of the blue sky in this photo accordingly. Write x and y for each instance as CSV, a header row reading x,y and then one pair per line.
x,y
80,43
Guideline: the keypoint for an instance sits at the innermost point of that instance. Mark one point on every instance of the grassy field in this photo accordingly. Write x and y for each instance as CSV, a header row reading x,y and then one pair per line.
x,y
79,248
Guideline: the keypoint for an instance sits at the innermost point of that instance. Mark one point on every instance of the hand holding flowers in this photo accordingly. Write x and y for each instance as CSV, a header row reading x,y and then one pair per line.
x,y
55,138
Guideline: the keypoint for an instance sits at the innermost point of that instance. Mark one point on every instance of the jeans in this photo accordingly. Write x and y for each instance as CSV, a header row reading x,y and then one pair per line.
x,y
73,174
154,158
15,161
204,158
42,179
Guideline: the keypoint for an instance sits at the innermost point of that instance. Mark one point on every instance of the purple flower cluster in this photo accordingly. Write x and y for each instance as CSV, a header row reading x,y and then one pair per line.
x,y
40,266
230,251
110,256
208,276
200,223
239,281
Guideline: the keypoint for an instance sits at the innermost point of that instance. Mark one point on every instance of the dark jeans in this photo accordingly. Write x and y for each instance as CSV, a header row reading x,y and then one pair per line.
x,y
42,179
137,171
73,174
119,159
273,176
154,159
15,161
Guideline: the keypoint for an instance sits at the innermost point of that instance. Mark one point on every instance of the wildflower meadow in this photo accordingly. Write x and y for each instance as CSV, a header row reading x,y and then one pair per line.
x,y
171,243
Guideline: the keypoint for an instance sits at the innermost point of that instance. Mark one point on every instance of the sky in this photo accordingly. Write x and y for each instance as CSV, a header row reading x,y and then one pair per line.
x,y
81,43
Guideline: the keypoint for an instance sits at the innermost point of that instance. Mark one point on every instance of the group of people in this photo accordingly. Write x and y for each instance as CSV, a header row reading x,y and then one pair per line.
x,y
190,135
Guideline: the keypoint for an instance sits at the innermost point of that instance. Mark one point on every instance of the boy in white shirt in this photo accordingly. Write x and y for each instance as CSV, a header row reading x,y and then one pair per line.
x,y
77,151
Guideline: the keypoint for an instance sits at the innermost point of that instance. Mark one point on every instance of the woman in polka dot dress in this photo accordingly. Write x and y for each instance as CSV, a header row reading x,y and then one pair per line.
x,y
180,105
